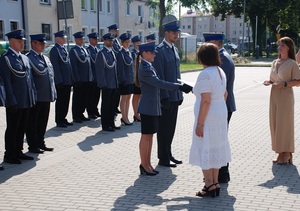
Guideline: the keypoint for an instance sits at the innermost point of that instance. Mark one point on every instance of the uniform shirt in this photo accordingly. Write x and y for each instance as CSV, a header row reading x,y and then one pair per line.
x,y
43,76
125,67
81,64
166,63
17,77
60,61
151,87
106,70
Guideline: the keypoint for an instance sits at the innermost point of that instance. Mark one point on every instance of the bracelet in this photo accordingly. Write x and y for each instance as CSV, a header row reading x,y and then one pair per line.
x,y
200,125
285,84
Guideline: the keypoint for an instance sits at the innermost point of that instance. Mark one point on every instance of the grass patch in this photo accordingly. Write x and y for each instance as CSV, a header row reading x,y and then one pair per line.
x,y
185,66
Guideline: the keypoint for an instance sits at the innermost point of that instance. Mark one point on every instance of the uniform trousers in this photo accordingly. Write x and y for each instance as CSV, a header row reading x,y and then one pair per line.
x,y
92,107
108,102
62,103
167,125
16,124
81,95
37,126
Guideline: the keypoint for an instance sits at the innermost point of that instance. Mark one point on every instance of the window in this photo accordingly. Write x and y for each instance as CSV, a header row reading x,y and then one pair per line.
x,y
84,30
1,30
45,2
140,10
141,33
83,5
183,27
189,27
14,25
108,7
100,6
92,2
102,31
93,30
46,28
128,8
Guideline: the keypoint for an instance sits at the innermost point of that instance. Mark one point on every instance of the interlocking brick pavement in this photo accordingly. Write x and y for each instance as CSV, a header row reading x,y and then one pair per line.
x,y
95,170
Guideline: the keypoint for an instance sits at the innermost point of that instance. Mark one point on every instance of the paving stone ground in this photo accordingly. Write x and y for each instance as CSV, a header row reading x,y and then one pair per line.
x,y
95,170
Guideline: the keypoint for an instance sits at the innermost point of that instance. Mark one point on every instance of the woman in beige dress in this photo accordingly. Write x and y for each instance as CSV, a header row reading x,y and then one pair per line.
x,y
284,75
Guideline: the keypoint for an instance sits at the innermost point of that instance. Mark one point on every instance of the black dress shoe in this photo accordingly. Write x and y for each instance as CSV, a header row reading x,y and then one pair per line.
x,y
12,160
98,114
108,129
61,125
92,116
116,128
1,168
68,123
167,165
46,148
25,157
77,120
35,150
84,119
176,161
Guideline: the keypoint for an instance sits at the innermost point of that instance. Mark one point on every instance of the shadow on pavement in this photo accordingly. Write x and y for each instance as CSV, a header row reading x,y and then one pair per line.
x,y
145,191
284,175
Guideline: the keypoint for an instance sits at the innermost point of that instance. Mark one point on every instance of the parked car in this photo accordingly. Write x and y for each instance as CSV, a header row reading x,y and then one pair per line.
x,y
4,45
230,47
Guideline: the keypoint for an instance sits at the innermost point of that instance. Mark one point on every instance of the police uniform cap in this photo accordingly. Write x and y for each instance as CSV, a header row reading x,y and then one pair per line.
x,y
149,46
16,34
151,37
108,36
93,35
136,38
79,34
125,36
38,37
213,36
61,33
113,27
172,26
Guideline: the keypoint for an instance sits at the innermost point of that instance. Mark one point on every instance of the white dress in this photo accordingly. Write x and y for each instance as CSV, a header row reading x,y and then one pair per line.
x,y
212,150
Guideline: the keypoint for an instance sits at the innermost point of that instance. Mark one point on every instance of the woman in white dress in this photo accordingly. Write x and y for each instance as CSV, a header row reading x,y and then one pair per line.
x,y
210,148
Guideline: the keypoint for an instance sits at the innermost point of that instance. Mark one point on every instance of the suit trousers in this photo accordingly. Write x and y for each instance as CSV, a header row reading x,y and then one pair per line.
x,y
37,126
81,95
92,107
224,175
16,124
108,102
62,103
167,125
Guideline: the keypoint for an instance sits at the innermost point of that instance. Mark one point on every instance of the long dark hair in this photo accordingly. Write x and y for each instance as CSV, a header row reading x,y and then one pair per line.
x,y
136,71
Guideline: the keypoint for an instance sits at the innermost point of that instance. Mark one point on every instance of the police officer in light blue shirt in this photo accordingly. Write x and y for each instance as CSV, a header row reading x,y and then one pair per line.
x,y
167,63
83,77
20,96
92,49
43,76
107,80
59,58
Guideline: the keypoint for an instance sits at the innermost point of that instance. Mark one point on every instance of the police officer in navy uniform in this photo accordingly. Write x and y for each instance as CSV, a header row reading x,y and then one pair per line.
x,y
228,67
167,63
43,76
107,80
113,29
150,38
59,58
93,49
136,40
83,77
2,101
20,96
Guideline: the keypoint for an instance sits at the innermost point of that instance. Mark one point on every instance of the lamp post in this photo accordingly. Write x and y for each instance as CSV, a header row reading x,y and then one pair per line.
x,y
243,27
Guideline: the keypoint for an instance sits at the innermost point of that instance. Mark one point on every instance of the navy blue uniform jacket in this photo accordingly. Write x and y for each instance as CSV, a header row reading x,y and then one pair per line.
x,y
125,67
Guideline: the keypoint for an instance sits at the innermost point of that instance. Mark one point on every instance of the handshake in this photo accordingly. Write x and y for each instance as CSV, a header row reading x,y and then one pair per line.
x,y
185,88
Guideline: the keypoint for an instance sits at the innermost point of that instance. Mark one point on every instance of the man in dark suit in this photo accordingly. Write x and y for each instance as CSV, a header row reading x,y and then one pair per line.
x,y
92,49
228,67
43,76
107,80
60,61
20,96
83,76
166,63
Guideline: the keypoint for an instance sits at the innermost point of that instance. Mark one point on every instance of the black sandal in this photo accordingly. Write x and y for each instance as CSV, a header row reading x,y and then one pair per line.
x,y
208,192
217,189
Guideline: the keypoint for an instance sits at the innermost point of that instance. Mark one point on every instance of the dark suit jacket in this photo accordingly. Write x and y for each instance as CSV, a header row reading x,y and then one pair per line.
x,y
228,67
92,51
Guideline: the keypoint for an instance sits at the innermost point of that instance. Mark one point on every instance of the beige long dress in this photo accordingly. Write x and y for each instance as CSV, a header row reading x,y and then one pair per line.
x,y
282,106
